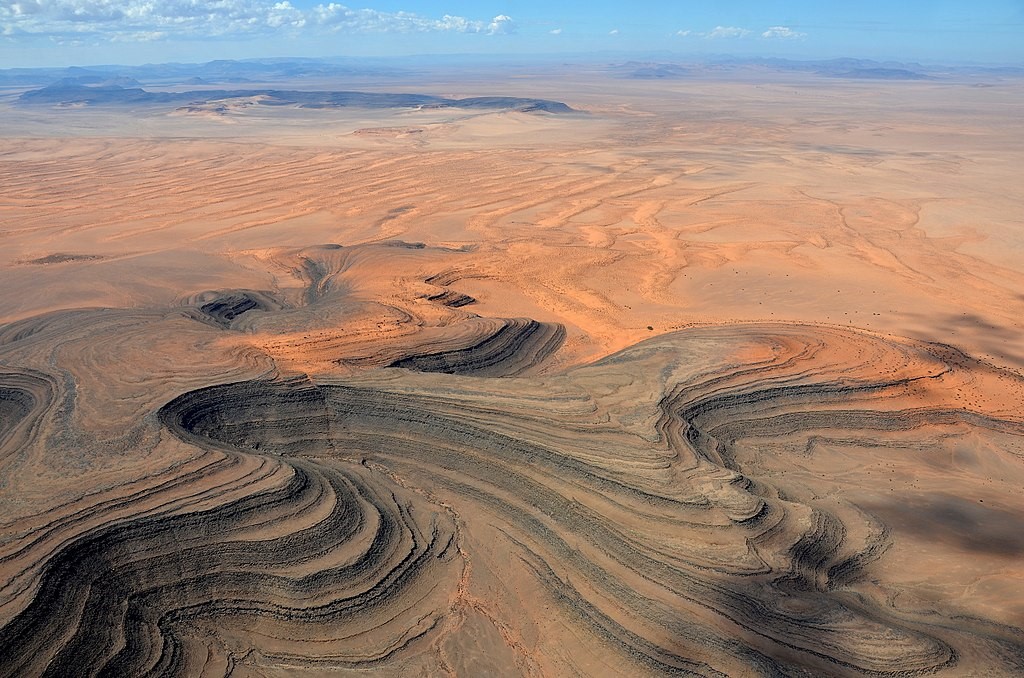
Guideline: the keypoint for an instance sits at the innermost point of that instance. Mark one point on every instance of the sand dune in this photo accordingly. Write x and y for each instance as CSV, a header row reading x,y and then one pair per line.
x,y
677,387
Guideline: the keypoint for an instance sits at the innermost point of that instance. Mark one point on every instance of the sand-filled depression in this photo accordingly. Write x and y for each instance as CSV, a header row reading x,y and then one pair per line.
x,y
713,377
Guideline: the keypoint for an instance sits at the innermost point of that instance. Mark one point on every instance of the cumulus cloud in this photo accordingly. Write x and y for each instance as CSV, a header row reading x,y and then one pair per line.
x,y
501,25
783,32
127,20
684,34
728,32
557,31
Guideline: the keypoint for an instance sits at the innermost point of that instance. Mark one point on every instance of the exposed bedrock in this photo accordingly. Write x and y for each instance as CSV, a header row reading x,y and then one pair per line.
x,y
448,296
622,503
15,405
599,537
23,398
452,299
332,567
515,346
225,306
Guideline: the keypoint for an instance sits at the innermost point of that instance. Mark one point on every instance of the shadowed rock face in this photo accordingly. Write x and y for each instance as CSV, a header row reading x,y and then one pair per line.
x,y
23,397
224,307
630,495
452,299
228,308
515,347
15,405
137,597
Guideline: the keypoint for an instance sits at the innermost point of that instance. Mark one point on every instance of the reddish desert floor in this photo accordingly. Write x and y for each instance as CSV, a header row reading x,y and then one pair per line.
x,y
718,377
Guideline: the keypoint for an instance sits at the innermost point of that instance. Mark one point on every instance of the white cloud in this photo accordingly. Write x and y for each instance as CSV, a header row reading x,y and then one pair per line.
x,y
501,25
459,24
140,36
557,31
282,14
728,32
141,20
684,34
614,31
783,32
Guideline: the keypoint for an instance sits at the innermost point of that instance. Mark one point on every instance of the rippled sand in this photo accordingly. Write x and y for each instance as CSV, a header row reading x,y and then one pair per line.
x,y
719,378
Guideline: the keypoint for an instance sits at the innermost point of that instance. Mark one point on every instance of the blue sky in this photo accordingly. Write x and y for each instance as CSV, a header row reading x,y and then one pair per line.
x,y
65,32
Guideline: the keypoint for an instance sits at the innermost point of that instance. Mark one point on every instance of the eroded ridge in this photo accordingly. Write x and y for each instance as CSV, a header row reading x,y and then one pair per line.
x,y
23,399
660,512
328,566
513,347
224,307
636,517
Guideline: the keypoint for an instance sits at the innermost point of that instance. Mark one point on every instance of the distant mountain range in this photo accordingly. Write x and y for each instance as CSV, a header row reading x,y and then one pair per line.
x,y
882,74
109,93
220,71
863,69
261,72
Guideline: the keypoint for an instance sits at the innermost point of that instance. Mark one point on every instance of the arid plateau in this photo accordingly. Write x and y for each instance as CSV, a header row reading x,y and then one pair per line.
x,y
709,375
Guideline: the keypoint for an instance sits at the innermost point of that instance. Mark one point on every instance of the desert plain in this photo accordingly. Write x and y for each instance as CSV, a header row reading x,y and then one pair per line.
x,y
712,375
